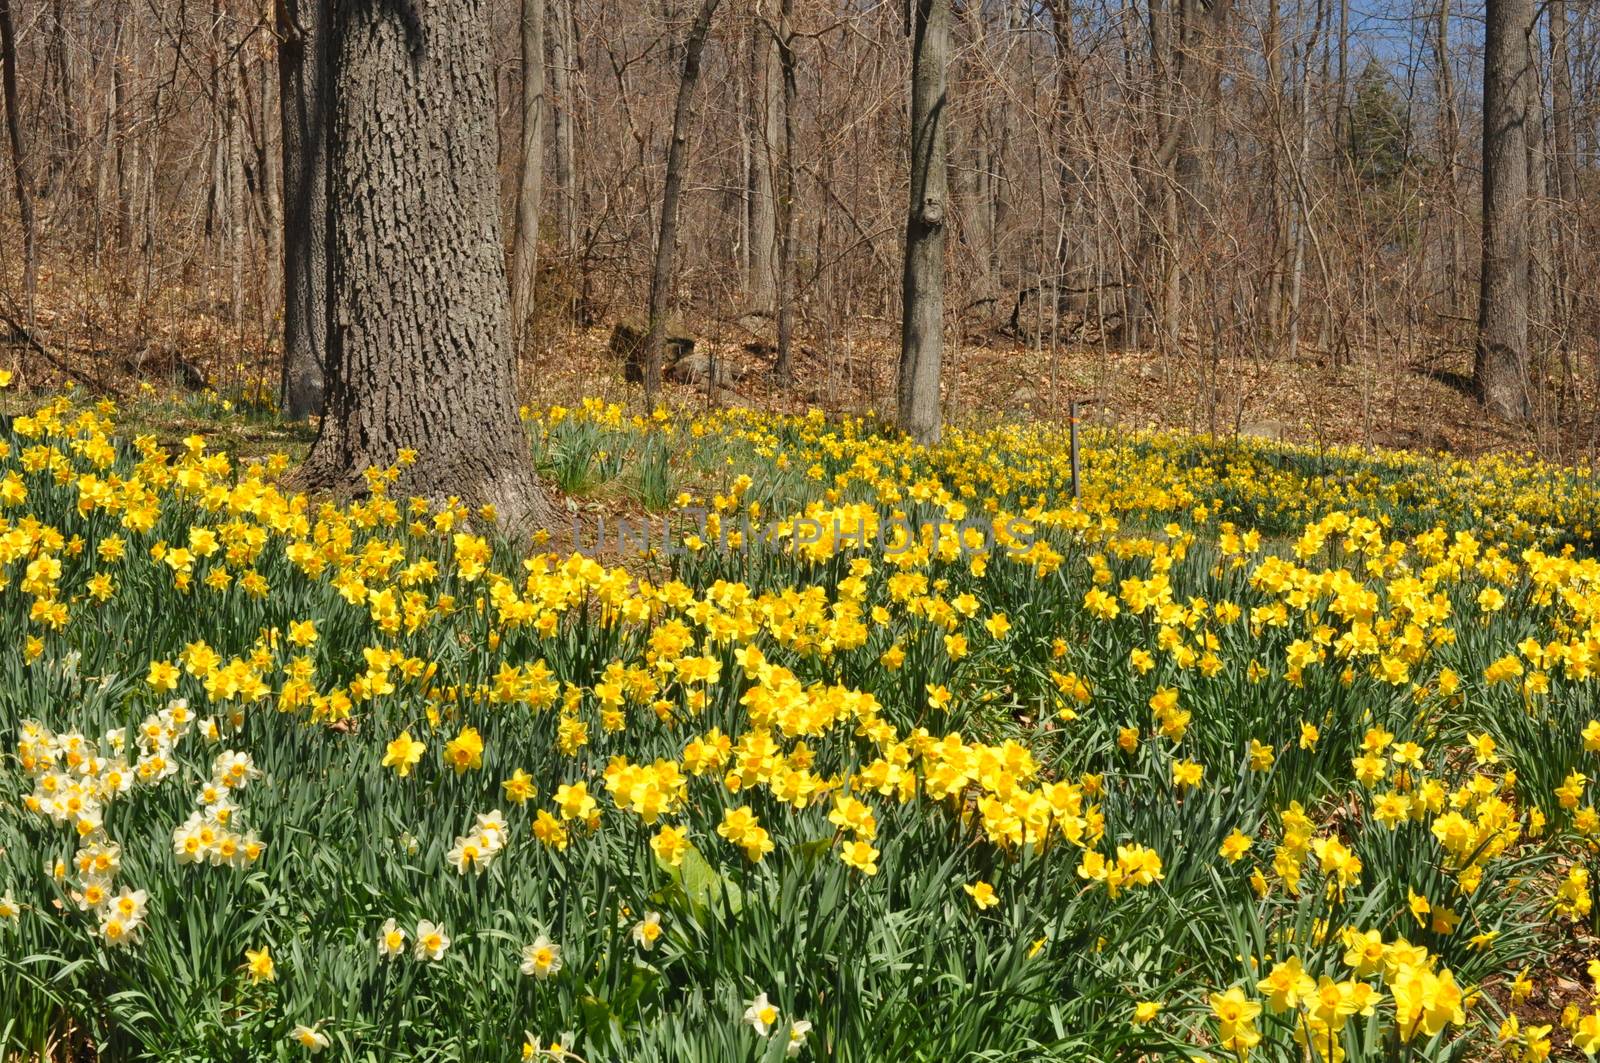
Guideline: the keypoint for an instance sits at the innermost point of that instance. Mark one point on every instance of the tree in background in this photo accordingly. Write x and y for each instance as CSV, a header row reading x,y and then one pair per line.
x,y
19,157
530,170
662,274
305,99
1379,148
761,144
922,283
1500,367
1379,131
420,358
783,369
1193,180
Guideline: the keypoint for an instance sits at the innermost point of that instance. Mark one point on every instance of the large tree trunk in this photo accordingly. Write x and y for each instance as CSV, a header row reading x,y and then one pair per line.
x,y
922,284
19,155
667,238
1500,370
420,359
530,168
305,101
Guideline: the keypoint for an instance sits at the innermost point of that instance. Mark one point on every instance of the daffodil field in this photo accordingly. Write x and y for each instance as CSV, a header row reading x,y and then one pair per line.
x,y
1256,752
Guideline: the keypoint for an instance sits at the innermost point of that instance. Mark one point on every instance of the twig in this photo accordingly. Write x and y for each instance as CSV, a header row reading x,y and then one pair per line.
x,y
19,331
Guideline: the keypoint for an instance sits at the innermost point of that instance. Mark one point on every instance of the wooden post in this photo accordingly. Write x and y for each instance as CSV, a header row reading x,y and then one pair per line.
x,y
1072,432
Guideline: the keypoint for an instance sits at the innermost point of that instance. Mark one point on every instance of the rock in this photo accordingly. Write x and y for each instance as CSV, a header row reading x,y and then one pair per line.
x,y
1421,438
691,370
1024,396
675,348
696,369
627,343
1276,431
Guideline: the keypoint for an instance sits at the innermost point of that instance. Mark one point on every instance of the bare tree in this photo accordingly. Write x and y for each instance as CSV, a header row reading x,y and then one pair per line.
x,y
561,77
922,283
305,94
787,190
1454,251
763,144
1500,368
1564,146
66,136
667,238
421,365
19,156
530,170
1566,152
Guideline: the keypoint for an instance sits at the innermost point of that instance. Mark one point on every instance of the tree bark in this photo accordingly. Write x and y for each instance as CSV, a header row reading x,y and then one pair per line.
x,y
784,368
267,153
1566,150
1541,238
1500,369
922,283
1184,101
1153,177
1455,245
305,101
19,156
562,49
1276,167
766,99
667,238
117,137
1302,218
217,209
67,135
420,363
237,220
1341,126
530,167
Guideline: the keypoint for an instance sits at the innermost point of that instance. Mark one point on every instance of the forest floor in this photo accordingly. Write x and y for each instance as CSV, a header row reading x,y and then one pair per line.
x,y
104,334
1417,401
